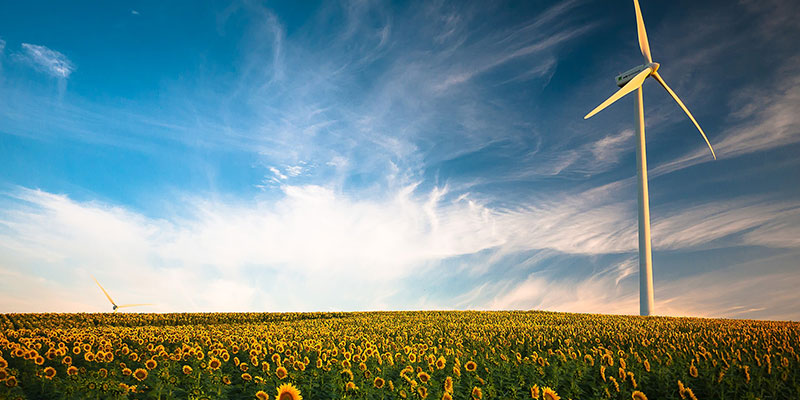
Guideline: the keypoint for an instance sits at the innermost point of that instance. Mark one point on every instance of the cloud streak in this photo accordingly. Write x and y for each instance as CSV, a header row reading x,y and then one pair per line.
x,y
49,61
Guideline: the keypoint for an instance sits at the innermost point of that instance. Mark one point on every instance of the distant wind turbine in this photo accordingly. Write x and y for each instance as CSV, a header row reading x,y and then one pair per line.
x,y
115,306
629,81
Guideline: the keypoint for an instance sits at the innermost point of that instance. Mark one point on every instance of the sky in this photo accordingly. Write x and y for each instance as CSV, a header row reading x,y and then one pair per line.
x,y
370,155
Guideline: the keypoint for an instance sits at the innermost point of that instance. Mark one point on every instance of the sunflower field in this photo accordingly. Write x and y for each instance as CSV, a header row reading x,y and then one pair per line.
x,y
395,355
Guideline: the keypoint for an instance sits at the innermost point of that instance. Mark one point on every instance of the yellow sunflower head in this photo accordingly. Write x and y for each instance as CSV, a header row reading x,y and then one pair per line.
x,y
151,364
49,372
446,396
262,395
535,391
378,382
448,385
281,373
350,386
214,364
422,391
693,371
72,370
140,374
187,369
637,395
477,393
470,366
247,377
549,394
423,377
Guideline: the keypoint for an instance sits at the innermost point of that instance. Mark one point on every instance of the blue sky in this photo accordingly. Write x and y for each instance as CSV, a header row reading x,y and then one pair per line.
x,y
360,155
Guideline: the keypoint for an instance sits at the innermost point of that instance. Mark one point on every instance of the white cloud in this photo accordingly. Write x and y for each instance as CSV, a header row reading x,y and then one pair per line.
x,y
299,252
314,240
47,60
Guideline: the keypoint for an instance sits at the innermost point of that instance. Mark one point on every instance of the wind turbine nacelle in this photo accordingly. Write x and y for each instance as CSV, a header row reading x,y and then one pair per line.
x,y
626,76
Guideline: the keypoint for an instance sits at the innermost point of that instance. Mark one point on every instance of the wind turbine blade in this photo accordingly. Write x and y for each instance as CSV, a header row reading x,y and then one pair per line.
x,y
104,291
134,305
680,103
643,43
629,87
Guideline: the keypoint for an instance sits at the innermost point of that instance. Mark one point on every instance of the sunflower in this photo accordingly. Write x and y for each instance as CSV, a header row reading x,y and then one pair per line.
x,y
102,372
140,374
281,373
151,364
187,369
72,370
262,395
477,393
347,374
247,377
693,371
470,366
378,382
423,377
226,380
441,363
446,396
535,391
549,394
49,372
214,364
637,395
422,391
350,386
11,381
448,385
39,360
67,360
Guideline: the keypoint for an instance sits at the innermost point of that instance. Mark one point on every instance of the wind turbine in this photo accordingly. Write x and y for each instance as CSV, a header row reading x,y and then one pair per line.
x,y
629,81
115,306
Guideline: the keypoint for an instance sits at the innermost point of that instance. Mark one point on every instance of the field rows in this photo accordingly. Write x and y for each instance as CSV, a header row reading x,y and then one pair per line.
x,y
389,355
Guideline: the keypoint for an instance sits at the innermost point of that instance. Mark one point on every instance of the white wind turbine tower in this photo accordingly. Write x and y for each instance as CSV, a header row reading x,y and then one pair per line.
x,y
630,81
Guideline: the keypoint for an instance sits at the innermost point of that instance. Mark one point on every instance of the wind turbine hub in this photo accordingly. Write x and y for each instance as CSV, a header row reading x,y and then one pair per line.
x,y
655,66
626,76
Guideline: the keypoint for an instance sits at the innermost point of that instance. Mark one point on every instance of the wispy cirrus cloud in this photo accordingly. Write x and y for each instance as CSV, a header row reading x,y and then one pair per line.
x,y
764,118
47,60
